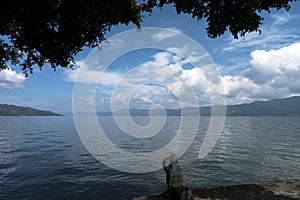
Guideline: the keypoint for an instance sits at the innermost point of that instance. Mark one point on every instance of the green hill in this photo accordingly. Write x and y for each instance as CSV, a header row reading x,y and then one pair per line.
x,y
12,110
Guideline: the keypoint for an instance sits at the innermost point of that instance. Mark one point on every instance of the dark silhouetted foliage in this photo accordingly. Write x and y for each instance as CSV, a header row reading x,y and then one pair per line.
x,y
35,32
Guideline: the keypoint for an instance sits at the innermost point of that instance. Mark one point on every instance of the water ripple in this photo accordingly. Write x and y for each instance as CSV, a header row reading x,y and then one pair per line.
x,y
43,158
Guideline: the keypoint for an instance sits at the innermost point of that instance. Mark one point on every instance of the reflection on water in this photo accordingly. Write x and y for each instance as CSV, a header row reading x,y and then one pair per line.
x,y
43,158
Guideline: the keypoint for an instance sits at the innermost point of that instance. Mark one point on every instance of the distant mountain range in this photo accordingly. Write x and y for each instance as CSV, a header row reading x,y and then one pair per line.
x,y
12,110
277,107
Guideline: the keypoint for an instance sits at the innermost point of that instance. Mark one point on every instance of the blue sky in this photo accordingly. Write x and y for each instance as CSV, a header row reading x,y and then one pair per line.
x,y
255,67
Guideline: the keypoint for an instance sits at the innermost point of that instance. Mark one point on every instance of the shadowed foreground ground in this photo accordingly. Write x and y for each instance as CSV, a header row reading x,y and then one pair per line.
x,y
283,190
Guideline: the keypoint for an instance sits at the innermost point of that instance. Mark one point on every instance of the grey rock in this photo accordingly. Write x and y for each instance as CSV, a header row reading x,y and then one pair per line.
x,y
176,187
174,173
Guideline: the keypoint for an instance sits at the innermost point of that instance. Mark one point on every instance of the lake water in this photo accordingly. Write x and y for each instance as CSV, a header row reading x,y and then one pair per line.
x,y
43,158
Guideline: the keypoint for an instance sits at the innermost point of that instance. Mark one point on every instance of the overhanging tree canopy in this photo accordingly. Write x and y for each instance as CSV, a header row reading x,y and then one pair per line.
x,y
36,32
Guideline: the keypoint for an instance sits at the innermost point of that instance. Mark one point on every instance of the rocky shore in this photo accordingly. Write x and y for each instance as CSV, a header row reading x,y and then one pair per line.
x,y
176,189
283,190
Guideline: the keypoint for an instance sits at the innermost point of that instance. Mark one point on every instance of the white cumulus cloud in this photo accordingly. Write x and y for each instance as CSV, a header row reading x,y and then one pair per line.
x,y
162,35
84,74
272,74
269,65
10,79
164,80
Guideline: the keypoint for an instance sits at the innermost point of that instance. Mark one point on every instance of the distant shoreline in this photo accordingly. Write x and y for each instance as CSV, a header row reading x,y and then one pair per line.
x,y
287,107
13,110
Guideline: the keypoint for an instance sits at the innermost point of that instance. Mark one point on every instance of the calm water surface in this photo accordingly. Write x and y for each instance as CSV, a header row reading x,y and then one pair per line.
x,y
43,158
